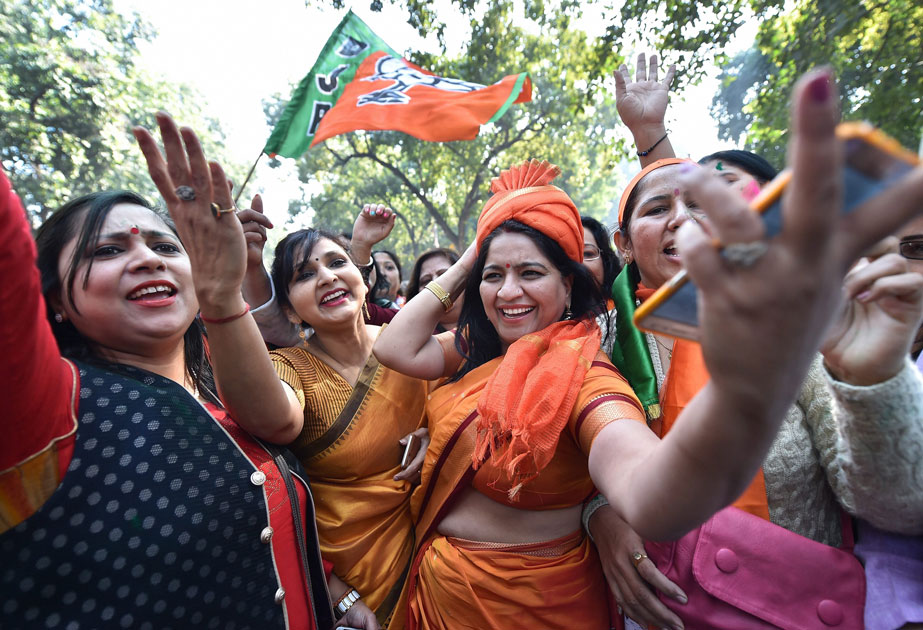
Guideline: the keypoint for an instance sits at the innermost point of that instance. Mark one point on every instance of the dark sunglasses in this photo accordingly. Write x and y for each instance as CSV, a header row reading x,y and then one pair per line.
x,y
912,248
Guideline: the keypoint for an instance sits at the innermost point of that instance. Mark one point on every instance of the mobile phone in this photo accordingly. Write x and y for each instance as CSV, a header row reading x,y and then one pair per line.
x,y
873,161
410,450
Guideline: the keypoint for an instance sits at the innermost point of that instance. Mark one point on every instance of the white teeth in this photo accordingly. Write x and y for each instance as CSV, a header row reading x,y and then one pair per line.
x,y
509,312
333,296
160,288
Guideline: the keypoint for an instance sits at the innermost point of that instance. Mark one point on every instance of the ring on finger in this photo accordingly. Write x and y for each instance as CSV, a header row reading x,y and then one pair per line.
x,y
638,557
186,193
217,210
744,254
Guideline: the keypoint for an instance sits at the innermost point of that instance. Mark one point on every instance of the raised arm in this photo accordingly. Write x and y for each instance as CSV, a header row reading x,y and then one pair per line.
x,y
642,106
247,383
407,344
761,326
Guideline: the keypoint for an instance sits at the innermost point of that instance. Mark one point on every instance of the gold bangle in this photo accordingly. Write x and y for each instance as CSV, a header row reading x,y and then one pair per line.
x,y
441,294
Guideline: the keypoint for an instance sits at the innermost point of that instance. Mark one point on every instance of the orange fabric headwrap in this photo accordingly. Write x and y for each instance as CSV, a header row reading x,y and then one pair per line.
x,y
524,193
637,178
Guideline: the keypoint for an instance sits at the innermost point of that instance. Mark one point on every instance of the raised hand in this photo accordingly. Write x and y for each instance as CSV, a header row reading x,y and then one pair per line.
x,y
254,224
642,103
775,311
373,224
871,339
198,198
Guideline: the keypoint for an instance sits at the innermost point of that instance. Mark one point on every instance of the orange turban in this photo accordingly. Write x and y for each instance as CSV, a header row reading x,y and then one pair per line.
x,y
653,166
524,193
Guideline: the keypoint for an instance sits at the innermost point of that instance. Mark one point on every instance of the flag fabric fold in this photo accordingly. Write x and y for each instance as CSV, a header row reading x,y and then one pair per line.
x,y
358,82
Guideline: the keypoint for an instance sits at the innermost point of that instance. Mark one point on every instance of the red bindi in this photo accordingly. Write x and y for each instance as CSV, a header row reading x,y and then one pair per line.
x,y
507,265
134,230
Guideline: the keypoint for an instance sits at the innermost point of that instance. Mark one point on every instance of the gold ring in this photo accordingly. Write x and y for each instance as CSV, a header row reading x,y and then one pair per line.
x,y
217,211
638,557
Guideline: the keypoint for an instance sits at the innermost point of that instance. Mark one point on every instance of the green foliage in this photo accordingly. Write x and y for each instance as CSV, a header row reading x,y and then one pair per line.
x,y
875,49
69,95
438,189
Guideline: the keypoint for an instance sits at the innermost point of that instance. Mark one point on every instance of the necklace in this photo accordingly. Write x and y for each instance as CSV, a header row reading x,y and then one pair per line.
x,y
666,348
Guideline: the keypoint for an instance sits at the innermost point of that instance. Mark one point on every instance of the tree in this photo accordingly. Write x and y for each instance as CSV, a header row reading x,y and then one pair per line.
x,y
70,93
875,49
438,189
874,46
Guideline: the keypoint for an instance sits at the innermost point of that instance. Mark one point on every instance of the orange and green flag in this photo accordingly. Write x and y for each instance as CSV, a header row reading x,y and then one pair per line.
x,y
359,82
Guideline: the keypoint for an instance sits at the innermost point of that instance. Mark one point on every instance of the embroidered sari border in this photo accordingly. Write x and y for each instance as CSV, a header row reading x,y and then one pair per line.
x,y
353,406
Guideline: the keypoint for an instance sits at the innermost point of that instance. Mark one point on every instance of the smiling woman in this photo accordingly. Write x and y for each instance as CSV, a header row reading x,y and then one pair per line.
x,y
110,403
358,415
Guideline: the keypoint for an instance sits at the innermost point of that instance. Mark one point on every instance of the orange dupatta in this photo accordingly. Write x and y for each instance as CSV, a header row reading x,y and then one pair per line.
x,y
686,376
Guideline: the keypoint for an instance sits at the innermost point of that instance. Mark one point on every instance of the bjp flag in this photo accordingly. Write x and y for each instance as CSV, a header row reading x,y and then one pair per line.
x,y
358,82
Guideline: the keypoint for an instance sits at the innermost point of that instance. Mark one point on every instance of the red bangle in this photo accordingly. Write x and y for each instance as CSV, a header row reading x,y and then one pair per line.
x,y
225,320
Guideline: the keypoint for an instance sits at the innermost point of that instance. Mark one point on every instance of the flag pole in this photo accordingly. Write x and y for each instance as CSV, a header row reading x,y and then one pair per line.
x,y
240,190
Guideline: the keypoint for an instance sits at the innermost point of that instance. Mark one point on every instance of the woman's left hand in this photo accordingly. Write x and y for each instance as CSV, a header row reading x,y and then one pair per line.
x,y
215,244
358,616
870,340
412,472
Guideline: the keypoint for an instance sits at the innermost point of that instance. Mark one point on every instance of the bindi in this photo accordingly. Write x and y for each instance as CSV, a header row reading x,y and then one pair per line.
x,y
719,166
507,265
134,229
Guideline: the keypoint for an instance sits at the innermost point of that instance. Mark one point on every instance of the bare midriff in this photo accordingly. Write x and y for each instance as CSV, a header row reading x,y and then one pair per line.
x,y
480,518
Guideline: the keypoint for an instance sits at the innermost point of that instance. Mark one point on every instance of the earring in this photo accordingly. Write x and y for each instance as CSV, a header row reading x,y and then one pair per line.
x,y
365,311
59,318
304,337
568,314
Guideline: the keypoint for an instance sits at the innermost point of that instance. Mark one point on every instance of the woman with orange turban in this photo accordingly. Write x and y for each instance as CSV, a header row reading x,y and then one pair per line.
x,y
531,416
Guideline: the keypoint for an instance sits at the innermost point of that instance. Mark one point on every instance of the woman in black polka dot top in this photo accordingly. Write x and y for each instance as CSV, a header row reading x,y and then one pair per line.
x,y
128,495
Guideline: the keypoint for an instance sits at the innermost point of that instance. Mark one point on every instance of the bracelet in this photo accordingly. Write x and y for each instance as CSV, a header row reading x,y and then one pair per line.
x,y
440,294
589,509
653,146
346,602
225,320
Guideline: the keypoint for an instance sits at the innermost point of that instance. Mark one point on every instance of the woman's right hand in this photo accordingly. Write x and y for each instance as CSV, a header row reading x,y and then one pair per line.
x,y
642,103
373,224
632,587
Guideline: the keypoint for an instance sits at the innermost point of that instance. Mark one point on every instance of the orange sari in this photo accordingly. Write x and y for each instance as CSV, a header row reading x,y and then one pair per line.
x,y
349,448
458,583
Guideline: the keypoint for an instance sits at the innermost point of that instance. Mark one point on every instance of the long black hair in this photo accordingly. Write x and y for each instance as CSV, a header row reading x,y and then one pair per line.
x,y
476,338
291,256
82,219
611,264
382,284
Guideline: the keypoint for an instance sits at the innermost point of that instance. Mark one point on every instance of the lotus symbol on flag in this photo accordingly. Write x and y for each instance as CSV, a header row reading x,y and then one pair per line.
x,y
396,69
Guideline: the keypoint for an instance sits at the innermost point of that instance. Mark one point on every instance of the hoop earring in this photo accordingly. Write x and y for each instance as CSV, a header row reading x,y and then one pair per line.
x,y
59,318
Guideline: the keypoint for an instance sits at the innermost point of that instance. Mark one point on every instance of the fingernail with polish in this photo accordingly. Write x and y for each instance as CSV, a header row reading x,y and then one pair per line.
x,y
819,88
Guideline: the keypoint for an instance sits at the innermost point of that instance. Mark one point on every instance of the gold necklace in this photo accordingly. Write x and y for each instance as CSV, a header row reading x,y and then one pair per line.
x,y
666,348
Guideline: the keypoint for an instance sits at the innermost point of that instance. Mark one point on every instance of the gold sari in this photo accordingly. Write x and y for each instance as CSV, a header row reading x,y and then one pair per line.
x,y
349,448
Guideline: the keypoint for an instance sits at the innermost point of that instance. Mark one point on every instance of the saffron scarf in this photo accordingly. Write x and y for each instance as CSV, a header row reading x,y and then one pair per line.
x,y
528,399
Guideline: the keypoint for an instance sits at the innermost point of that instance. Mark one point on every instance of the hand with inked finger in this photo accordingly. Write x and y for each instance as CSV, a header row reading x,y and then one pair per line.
x,y
881,315
632,576
791,288
198,198
411,471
